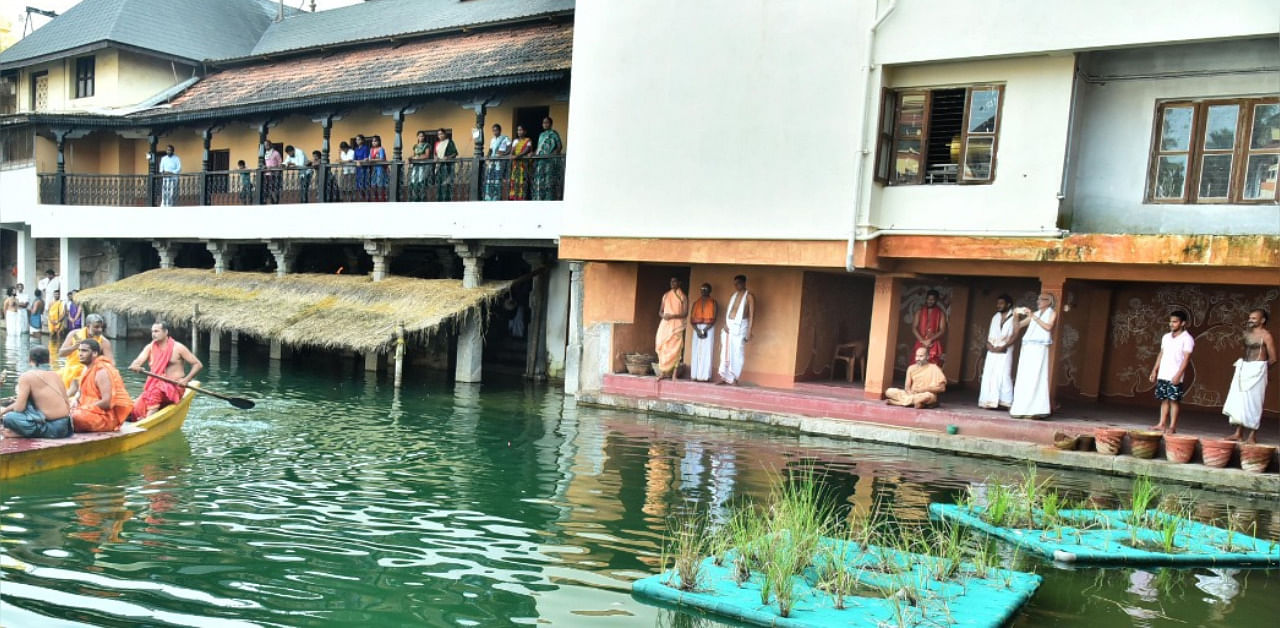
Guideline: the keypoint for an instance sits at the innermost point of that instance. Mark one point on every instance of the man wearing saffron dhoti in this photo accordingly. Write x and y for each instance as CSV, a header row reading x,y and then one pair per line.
x,y
702,318
104,404
93,330
669,342
1244,401
997,372
167,357
924,383
929,327
738,317
1031,386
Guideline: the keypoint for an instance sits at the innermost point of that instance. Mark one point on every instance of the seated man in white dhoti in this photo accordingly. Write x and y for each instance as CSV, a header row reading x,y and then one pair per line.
x,y
1244,400
738,318
997,371
702,318
1031,386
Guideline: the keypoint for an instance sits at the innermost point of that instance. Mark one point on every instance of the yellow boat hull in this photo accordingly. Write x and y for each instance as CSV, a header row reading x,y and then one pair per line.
x,y
24,456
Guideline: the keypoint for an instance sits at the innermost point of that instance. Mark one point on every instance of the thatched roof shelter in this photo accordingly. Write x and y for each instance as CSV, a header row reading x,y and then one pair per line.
x,y
326,311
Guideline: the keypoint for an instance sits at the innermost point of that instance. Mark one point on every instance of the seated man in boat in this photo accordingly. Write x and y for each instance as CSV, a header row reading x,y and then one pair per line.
x,y
166,357
41,396
925,382
93,329
104,404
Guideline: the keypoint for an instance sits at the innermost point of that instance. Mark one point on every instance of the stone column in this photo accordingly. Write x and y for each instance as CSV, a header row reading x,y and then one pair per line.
x,y
68,265
883,342
285,254
215,341
372,360
573,355
471,328
535,366
276,350
1053,286
117,323
222,251
27,274
556,338
381,251
953,343
168,252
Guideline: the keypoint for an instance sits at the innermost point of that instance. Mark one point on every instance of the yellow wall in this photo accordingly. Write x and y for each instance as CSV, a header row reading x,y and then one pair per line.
x,y
120,79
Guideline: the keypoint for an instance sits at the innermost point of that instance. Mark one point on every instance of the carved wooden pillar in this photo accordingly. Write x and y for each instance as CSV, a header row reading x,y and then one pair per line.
x,y
477,159
207,137
152,169
60,138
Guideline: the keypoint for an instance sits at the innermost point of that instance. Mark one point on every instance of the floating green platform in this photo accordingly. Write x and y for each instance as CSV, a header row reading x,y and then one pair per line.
x,y
889,584
1105,537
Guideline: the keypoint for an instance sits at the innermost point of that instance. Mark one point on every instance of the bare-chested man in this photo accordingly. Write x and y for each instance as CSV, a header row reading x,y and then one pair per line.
x,y
166,357
1243,406
40,409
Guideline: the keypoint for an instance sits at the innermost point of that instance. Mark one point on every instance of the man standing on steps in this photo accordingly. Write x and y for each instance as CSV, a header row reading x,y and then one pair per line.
x,y
1170,369
166,357
738,318
702,318
997,373
1249,384
669,341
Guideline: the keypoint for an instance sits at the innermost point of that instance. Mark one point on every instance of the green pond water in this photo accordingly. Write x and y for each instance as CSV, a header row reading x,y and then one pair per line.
x,y
340,502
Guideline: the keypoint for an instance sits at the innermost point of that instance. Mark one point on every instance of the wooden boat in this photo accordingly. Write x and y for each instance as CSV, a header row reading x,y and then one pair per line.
x,y
24,456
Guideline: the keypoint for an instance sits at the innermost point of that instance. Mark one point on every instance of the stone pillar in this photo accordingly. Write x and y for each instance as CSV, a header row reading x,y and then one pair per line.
x,y
168,252
557,319
276,350
222,251
535,366
285,254
381,251
27,274
573,355
117,323
883,342
215,341
954,342
471,328
1053,286
371,361
68,265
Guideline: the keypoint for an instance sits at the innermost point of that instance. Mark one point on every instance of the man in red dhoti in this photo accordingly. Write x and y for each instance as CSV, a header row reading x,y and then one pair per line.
x,y
104,403
166,357
929,327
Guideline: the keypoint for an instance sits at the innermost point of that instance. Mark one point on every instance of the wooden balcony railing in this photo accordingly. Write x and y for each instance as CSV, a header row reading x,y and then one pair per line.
x,y
499,179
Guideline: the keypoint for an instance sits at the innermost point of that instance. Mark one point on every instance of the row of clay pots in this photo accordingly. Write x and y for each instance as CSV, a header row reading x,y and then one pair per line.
x,y
1179,448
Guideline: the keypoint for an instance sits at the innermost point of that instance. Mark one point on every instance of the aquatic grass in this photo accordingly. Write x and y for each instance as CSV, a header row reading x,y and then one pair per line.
x,y
684,547
1140,500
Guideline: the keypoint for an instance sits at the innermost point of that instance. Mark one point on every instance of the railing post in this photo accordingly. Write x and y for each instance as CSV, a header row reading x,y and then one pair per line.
x,y
207,137
477,158
322,194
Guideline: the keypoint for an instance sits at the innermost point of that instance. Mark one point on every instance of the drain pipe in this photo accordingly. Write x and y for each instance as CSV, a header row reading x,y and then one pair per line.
x,y
869,105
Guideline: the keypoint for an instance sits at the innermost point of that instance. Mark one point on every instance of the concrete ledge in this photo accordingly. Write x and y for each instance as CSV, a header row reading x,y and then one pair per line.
x,y
1235,480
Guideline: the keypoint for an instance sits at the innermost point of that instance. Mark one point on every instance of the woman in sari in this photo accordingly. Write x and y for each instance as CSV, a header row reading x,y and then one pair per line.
x,y
360,151
445,153
378,174
520,151
495,170
418,168
75,314
546,171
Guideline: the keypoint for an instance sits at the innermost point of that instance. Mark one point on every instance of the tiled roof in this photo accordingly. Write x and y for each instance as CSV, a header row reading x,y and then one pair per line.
x,y
387,18
187,29
364,72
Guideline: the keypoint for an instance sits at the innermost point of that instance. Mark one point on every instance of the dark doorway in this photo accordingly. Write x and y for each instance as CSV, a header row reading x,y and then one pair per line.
x,y
531,119
220,162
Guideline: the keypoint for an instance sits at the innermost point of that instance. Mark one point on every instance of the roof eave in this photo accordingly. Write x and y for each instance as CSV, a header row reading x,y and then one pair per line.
x,y
94,47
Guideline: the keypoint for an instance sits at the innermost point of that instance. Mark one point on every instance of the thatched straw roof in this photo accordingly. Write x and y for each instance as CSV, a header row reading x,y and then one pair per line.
x,y
326,311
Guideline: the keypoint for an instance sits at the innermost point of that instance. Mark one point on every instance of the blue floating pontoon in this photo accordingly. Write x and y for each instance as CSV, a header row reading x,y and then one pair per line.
x,y
1105,537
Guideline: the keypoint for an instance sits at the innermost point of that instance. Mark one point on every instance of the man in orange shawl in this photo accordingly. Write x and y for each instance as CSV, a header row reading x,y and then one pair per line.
x,y
168,357
670,338
93,330
702,318
104,404
929,327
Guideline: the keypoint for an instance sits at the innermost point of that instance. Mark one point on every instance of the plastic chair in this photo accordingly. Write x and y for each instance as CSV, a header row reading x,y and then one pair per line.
x,y
853,354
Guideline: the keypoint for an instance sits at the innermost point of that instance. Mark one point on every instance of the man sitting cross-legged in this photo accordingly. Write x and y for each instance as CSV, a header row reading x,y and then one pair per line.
x,y
924,382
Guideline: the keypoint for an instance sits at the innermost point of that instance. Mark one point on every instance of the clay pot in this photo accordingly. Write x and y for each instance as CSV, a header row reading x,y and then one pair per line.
x,y
1217,453
1144,443
1256,458
1109,440
1064,441
1084,442
638,363
1179,448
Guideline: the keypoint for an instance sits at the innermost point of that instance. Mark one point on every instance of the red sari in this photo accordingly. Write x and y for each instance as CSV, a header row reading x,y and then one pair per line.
x,y
928,322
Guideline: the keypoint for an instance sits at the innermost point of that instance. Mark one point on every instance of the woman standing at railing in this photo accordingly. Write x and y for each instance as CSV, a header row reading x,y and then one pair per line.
x,y
378,175
418,168
496,170
546,170
361,150
520,151
445,153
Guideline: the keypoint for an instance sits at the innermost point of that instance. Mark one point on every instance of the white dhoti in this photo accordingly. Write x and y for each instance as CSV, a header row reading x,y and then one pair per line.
x,y
703,352
1031,388
997,381
733,344
1244,401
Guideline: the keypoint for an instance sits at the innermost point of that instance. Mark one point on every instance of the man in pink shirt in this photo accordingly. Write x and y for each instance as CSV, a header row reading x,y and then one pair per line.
x,y
1170,366
271,178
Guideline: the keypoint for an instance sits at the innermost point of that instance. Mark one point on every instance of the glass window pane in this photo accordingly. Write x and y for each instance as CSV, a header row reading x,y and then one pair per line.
x,y
1215,176
907,160
911,117
1260,177
1175,131
1266,126
1171,175
886,113
983,105
1220,128
884,160
977,158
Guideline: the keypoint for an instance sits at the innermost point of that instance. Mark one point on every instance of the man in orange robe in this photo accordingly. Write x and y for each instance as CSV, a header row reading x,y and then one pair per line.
x,y
669,340
166,357
104,404
702,318
930,325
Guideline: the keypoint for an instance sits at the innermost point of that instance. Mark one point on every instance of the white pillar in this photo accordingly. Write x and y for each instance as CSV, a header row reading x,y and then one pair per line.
x,y
117,322
215,341
167,250
557,319
68,265
535,365
222,251
276,350
381,251
470,330
285,253
27,275
573,355
371,361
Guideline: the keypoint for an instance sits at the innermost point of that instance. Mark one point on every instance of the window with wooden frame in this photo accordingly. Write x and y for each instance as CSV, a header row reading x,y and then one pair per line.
x,y
936,136
1215,151
84,77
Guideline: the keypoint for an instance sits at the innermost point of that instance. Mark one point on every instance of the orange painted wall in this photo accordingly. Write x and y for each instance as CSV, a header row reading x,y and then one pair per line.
x,y
609,292
834,309
982,305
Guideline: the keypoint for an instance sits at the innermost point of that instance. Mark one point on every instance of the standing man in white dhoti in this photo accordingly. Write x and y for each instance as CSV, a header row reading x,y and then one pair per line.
x,y
1031,387
738,317
702,318
997,371
1244,401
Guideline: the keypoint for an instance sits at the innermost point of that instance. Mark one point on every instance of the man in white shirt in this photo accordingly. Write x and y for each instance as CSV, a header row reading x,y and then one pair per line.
x,y
1171,364
997,372
296,159
170,166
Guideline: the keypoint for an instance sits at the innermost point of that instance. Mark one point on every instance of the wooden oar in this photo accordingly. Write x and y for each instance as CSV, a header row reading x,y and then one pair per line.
x,y
239,402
